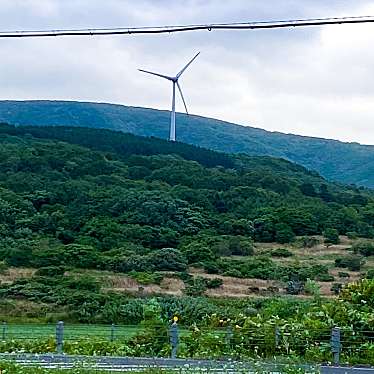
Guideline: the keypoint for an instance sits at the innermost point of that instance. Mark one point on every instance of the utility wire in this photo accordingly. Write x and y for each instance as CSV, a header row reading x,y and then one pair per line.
x,y
183,28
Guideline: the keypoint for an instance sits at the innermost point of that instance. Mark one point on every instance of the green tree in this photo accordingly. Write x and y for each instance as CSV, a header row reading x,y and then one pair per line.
x,y
331,236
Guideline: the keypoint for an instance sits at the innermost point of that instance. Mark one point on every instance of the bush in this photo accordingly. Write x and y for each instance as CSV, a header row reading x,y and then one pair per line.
x,y
19,257
211,267
331,236
295,287
343,274
214,283
50,271
197,252
281,252
238,246
308,241
370,274
302,273
352,235
360,293
325,278
233,273
312,288
185,277
146,278
3,267
336,288
353,263
197,287
283,233
168,259
364,248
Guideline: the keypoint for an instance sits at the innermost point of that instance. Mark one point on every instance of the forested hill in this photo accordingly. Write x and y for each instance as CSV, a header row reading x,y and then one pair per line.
x,y
111,197
345,162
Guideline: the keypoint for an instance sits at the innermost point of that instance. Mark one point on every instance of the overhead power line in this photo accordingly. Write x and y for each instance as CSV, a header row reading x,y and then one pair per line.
x,y
184,28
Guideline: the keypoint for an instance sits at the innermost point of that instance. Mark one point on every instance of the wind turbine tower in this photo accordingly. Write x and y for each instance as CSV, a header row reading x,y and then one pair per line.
x,y
175,82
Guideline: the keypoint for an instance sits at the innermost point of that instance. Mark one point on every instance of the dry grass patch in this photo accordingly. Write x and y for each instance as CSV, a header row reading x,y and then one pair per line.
x,y
12,274
126,284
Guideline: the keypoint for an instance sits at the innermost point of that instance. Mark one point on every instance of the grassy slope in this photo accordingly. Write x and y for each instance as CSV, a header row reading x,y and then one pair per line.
x,y
345,162
231,287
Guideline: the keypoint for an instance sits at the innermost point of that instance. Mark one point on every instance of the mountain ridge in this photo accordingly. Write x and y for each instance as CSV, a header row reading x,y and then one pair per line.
x,y
336,160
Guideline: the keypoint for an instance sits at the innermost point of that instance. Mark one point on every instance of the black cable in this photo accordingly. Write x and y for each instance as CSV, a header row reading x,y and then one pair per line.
x,y
183,28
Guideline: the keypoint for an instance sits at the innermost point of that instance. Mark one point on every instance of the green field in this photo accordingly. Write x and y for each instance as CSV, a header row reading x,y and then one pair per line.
x,y
75,332
71,332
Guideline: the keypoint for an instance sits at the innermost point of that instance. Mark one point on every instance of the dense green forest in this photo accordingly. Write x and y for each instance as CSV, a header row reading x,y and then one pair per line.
x,y
121,204
129,205
345,162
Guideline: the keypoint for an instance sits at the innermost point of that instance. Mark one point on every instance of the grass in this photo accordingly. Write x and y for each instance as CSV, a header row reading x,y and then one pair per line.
x,y
71,332
10,368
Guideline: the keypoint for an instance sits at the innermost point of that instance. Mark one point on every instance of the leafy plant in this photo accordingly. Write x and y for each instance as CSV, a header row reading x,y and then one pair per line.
x,y
281,252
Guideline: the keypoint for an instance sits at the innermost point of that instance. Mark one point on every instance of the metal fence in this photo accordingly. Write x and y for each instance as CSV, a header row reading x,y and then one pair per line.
x,y
276,341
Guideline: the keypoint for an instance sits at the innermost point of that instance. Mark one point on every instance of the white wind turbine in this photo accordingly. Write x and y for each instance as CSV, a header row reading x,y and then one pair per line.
x,y
175,83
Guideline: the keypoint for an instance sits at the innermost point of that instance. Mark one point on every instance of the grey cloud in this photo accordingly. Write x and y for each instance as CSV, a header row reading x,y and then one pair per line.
x,y
312,81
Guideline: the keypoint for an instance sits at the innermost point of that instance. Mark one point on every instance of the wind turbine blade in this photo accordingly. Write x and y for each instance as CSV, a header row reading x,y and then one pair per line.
x,y
180,91
182,71
157,74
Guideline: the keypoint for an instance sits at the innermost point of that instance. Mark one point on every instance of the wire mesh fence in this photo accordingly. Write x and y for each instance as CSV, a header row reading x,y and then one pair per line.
x,y
224,342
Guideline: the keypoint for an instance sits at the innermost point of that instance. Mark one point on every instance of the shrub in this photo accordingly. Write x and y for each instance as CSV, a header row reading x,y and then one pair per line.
x,y
360,293
370,274
238,246
309,241
299,272
364,248
281,252
283,233
211,267
295,287
325,278
197,252
17,257
233,273
147,278
185,277
352,235
336,288
214,283
50,271
168,259
197,288
3,267
343,274
331,236
353,263
312,288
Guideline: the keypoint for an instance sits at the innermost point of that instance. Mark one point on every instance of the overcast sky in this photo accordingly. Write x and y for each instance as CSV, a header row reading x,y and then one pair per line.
x,y
311,81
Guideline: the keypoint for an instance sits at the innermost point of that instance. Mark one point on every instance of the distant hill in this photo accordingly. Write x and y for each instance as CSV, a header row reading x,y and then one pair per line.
x,y
344,162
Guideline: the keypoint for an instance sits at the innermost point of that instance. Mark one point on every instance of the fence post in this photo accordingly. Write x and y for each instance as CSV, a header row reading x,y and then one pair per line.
x,y
277,337
174,339
112,332
4,331
335,344
60,337
229,336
